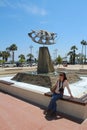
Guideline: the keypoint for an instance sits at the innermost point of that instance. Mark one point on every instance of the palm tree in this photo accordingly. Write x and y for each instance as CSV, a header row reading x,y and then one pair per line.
x,y
22,58
30,56
74,48
59,60
84,43
0,54
12,48
70,53
5,55
0,57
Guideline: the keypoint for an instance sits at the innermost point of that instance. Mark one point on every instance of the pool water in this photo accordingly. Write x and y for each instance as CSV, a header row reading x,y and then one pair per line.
x,y
78,89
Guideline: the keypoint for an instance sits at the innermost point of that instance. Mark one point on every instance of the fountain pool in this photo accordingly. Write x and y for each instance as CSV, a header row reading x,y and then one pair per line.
x,y
78,89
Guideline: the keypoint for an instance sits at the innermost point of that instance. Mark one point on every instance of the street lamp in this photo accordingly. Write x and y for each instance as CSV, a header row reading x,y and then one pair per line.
x,y
56,50
31,47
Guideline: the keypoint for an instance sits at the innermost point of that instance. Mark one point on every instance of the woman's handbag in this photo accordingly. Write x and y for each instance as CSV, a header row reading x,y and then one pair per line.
x,y
53,88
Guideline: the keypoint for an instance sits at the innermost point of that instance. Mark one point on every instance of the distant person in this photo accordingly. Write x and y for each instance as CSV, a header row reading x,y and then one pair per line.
x,y
57,94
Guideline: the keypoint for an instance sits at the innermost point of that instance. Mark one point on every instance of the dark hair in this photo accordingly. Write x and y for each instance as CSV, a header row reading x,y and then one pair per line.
x,y
63,74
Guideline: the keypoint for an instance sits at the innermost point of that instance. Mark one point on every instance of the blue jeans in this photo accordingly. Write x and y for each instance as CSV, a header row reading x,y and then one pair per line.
x,y
52,105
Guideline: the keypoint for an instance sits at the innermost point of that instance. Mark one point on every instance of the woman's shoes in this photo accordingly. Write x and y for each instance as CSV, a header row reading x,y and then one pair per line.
x,y
45,112
54,114
50,113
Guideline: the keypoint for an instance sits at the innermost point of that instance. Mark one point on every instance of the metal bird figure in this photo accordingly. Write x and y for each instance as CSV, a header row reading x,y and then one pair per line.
x,y
43,37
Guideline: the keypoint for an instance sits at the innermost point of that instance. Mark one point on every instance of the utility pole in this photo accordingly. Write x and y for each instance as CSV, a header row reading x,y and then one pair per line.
x,y
56,50
31,47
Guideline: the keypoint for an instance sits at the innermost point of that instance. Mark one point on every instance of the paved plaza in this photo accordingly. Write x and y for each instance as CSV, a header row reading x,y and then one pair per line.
x,y
16,114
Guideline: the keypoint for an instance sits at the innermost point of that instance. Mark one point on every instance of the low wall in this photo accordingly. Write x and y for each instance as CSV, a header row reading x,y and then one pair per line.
x,y
70,108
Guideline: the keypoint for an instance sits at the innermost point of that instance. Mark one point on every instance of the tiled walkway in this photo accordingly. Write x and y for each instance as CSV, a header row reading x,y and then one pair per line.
x,y
16,114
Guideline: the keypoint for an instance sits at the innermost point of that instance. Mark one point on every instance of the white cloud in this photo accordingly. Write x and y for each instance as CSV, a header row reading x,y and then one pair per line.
x,y
27,7
34,9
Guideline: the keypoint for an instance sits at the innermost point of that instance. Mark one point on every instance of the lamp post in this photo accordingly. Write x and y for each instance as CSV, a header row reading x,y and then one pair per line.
x,y
56,50
31,47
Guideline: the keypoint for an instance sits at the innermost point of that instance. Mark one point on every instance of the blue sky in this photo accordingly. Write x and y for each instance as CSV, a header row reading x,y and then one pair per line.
x,y
67,18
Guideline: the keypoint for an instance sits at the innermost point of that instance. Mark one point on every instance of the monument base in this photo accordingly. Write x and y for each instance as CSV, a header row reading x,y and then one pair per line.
x,y
45,64
45,80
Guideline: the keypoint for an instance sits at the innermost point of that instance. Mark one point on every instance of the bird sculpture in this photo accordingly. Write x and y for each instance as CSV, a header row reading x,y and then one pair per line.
x,y
43,37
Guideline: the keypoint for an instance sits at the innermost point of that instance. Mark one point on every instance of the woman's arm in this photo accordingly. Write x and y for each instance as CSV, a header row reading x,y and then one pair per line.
x,y
66,84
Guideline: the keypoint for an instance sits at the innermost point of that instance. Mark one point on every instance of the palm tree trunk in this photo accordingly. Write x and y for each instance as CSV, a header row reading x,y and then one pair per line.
x,y
85,53
12,56
82,53
74,57
6,59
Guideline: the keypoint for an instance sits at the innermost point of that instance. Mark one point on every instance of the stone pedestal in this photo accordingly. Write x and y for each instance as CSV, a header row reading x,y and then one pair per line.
x,y
45,64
